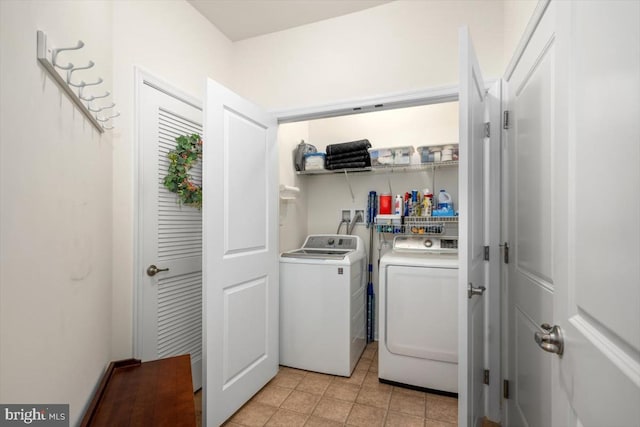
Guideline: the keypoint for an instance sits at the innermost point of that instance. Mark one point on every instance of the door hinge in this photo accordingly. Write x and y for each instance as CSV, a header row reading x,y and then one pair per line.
x,y
487,129
485,378
505,248
505,389
505,119
486,253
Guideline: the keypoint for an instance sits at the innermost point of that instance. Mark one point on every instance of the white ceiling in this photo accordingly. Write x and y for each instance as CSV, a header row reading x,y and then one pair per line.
x,y
242,19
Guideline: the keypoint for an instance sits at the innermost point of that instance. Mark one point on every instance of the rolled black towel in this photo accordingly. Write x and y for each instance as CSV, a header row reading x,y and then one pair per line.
x,y
356,158
346,147
348,155
347,165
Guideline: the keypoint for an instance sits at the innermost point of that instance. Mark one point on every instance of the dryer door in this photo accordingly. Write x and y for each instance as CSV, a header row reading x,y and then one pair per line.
x,y
421,312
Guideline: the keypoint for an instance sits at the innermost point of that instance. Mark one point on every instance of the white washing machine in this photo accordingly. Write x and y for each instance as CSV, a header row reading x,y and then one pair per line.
x,y
418,326
322,304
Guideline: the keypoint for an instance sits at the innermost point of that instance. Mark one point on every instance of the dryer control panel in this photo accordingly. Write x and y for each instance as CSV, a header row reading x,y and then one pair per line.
x,y
424,244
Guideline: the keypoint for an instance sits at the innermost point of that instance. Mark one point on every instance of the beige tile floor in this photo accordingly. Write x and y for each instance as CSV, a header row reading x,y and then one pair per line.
x,y
301,398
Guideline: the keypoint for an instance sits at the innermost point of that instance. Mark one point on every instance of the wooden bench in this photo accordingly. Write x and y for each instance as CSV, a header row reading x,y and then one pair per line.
x,y
131,393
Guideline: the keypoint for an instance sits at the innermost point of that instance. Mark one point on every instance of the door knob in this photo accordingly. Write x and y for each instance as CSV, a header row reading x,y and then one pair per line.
x,y
153,270
471,290
552,340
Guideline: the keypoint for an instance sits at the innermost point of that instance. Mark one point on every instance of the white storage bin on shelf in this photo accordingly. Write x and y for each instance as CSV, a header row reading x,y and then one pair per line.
x,y
438,153
402,155
314,161
392,156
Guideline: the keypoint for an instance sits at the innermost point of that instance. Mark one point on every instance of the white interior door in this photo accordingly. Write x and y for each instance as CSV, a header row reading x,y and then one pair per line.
x,y
573,144
240,251
169,318
531,277
597,210
473,115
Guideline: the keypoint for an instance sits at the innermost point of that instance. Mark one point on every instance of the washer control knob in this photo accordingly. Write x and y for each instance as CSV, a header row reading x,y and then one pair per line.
x,y
331,241
428,243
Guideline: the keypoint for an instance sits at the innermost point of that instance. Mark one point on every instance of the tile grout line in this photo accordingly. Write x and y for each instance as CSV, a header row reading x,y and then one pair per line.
x,y
318,402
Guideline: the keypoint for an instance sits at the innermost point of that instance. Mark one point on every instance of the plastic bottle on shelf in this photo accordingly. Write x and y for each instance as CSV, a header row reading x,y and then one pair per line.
x,y
427,202
416,199
444,200
407,204
385,204
399,205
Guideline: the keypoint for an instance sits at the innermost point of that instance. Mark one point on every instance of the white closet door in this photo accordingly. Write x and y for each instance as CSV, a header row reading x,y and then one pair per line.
x,y
171,237
596,206
473,114
531,279
573,142
241,251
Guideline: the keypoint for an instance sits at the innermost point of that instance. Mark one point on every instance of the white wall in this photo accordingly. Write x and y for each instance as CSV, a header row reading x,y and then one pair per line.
x,y
516,17
293,213
173,42
397,47
56,216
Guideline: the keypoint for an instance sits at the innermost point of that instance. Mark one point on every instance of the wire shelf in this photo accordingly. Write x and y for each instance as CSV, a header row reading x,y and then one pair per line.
x,y
383,169
417,225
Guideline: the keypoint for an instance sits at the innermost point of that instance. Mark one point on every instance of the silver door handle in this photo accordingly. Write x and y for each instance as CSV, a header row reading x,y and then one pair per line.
x,y
153,270
471,290
551,341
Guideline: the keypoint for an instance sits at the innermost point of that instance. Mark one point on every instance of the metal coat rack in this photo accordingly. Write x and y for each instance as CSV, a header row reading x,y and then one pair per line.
x,y
99,115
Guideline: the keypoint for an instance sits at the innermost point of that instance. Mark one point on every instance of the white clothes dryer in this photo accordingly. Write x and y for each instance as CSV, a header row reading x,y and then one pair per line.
x,y
322,304
418,323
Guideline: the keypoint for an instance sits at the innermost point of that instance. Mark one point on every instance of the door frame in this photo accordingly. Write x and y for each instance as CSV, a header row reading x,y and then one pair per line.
x,y
368,104
143,77
493,233
534,21
436,95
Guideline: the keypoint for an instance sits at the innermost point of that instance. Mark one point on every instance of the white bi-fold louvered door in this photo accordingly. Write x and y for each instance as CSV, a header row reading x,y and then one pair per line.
x,y
170,302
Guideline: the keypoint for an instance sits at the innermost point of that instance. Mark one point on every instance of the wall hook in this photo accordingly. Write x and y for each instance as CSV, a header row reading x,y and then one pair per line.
x,y
82,84
70,72
47,57
97,110
55,52
94,97
106,119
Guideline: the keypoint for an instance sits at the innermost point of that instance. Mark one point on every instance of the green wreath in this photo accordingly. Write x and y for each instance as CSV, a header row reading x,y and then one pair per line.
x,y
187,152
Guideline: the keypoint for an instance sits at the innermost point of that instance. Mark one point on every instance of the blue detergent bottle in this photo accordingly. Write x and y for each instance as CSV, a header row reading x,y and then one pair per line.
x,y
444,201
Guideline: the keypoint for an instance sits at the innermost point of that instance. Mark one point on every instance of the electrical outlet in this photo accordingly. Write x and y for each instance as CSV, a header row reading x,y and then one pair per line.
x,y
345,215
361,218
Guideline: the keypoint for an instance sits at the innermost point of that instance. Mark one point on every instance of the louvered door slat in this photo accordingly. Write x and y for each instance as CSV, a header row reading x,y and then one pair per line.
x,y
180,315
179,237
172,215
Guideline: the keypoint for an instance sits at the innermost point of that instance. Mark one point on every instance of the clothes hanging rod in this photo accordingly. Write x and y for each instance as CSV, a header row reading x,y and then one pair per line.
x,y
43,58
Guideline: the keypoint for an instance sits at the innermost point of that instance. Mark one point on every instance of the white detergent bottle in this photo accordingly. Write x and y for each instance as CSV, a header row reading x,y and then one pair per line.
x,y
427,202
444,200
